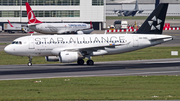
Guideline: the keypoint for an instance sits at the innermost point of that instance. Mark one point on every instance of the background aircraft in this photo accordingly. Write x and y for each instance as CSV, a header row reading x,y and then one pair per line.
x,y
71,48
56,28
129,12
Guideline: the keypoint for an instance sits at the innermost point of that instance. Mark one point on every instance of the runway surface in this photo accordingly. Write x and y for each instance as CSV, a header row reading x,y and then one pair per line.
x,y
115,68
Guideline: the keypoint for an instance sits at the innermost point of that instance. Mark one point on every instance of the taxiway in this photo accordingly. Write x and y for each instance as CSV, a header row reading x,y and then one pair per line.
x,y
115,68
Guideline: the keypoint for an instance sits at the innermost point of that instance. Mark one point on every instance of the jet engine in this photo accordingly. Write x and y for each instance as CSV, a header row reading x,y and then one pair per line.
x,y
66,56
52,58
80,32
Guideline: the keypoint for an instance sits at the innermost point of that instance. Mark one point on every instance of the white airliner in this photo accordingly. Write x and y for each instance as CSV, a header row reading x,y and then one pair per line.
x,y
56,28
71,48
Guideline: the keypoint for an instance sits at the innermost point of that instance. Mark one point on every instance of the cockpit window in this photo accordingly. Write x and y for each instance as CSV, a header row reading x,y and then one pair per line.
x,y
16,42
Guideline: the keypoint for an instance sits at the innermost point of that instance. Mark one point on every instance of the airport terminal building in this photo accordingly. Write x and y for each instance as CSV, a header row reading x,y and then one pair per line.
x,y
77,10
55,11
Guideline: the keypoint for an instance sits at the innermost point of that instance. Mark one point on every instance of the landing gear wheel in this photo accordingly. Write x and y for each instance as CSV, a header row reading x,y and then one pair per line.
x,y
29,64
80,62
90,62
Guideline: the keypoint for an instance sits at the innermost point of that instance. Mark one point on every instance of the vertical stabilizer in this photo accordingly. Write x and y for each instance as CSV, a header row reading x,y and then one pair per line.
x,y
91,25
155,22
136,6
10,24
157,3
30,15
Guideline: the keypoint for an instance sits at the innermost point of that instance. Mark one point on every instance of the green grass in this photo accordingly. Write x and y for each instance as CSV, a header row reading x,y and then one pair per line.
x,y
4,43
138,17
93,88
147,53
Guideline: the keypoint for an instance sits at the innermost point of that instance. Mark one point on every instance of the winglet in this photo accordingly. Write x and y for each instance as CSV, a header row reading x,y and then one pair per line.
x,y
30,14
155,22
10,24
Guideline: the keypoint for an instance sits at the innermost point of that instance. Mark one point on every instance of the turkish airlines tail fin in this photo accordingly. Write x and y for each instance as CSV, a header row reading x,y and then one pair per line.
x,y
10,24
155,22
31,17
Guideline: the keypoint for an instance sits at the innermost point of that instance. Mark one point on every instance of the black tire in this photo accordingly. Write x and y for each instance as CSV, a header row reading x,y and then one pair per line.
x,y
29,64
90,62
80,62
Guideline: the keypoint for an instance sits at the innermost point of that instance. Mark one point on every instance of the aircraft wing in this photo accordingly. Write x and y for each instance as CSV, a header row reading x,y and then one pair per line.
x,y
140,11
120,11
99,46
89,49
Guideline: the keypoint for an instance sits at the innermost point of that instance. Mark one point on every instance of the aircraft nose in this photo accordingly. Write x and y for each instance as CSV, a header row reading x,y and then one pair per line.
x,y
8,49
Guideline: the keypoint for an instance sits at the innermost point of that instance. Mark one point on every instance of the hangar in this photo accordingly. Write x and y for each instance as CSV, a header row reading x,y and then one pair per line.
x,y
55,11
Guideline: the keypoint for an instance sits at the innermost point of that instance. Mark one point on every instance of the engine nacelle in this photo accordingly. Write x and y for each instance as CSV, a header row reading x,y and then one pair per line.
x,y
80,32
66,57
52,58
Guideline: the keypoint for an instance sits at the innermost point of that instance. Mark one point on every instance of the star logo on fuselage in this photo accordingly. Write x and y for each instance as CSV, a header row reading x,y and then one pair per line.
x,y
155,23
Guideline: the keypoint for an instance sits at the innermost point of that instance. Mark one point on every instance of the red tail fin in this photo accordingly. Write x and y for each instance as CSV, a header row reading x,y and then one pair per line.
x,y
10,24
30,14
91,26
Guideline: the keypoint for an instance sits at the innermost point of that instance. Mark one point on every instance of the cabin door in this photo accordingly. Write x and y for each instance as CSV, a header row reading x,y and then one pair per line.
x,y
31,43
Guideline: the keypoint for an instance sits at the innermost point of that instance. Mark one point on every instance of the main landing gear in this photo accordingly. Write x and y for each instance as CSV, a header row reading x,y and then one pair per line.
x,y
90,62
30,61
81,62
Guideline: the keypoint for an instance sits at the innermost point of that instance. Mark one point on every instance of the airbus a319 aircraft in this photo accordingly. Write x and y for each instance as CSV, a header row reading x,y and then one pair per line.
x,y
71,48
56,28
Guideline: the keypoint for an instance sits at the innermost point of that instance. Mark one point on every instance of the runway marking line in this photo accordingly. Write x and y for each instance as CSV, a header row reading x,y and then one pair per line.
x,y
126,74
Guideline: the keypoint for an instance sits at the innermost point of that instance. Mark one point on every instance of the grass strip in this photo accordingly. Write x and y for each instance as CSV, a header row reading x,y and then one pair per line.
x,y
93,88
147,53
138,17
4,43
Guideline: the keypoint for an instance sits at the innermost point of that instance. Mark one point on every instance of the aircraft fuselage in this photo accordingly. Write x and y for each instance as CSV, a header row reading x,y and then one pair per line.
x,y
59,28
101,44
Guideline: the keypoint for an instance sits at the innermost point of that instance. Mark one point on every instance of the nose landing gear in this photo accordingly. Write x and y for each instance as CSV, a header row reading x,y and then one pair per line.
x,y
30,61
